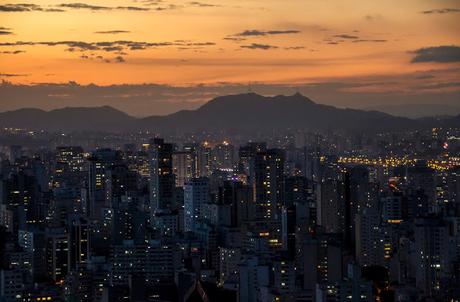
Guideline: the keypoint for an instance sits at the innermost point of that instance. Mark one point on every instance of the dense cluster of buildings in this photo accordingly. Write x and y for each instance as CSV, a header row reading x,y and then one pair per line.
x,y
208,221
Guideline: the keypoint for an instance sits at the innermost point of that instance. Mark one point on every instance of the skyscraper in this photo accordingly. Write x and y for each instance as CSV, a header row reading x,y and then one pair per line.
x,y
196,193
99,180
432,260
183,166
266,177
161,175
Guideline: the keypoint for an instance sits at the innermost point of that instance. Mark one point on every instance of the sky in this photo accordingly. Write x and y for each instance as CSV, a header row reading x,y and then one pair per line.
x,y
159,56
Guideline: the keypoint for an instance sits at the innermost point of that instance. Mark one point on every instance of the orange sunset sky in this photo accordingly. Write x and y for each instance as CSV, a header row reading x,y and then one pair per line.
x,y
233,41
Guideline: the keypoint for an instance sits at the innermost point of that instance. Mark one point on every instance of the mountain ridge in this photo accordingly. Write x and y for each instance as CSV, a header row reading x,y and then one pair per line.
x,y
242,112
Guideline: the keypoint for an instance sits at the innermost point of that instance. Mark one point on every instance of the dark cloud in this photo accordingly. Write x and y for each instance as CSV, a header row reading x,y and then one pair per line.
x,y
150,2
111,46
198,44
370,41
26,7
57,10
343,38
235,39
259,46
148,5
346,36
282,32
137,46
100,8
168,7
244,35
441,11
135,8
20,7
119,59
255,32
5,31
112,32
120,47
160,5
201,4
10,75
439,54
12,52
294,47
73,45
83,6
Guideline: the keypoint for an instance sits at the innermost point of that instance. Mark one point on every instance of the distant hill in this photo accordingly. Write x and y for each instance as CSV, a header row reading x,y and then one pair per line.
x,y
69,119
253,112
243,113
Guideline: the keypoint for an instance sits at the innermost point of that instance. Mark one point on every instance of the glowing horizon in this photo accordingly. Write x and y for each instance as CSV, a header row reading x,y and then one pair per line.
x,y
185,43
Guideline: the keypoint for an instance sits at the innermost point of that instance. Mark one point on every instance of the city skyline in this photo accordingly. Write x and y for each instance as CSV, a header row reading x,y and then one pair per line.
x,y
293,216
230,151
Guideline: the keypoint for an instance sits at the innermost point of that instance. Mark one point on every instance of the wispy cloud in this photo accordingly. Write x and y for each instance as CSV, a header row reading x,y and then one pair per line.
x,y
353,38
10,75
441,11
108,45
100,8
202,4
12,52
92,56
294,47
255,32
346,36
83,6
112,32
5,31
370,40
90,50
26,7
259,46
235,39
